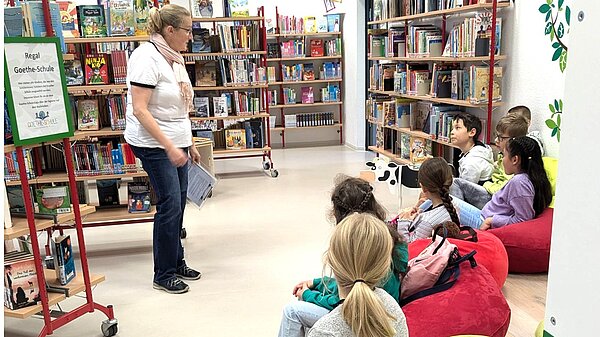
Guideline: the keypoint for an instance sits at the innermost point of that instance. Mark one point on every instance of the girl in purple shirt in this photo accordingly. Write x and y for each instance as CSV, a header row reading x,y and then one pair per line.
x,y
526,194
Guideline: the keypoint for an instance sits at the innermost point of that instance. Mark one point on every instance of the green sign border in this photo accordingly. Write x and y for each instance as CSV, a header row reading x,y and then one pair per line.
x,y
11,107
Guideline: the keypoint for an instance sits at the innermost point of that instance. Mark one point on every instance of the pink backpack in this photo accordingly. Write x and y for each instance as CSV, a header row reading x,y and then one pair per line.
x,y
434,270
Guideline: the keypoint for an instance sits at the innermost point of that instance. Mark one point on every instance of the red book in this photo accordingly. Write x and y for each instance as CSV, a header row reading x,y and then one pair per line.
x,y
96,69
308,96
316,48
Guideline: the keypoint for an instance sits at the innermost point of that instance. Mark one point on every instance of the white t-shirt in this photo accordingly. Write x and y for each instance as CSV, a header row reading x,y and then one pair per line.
x,y
148,68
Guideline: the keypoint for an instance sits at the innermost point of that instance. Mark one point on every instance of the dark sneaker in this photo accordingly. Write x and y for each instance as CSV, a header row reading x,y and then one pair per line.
x,y
172,286
187,273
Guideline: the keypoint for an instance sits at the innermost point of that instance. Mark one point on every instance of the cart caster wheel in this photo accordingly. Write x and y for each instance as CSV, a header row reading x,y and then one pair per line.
x,y
266,165
183,233
109,328
274,173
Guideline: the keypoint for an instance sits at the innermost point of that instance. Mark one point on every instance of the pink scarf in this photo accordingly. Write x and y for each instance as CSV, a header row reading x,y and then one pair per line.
x,y
178,63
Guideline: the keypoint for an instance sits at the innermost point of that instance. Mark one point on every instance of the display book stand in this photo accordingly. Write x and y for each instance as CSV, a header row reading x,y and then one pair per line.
x,y
493,6
312,107
265,151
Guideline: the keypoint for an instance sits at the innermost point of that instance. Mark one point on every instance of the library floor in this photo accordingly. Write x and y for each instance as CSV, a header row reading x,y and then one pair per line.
x,y
253,241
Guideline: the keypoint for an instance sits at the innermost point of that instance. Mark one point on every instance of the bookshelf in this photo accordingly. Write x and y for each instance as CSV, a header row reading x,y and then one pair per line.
x,y
408,44
20,226
306,85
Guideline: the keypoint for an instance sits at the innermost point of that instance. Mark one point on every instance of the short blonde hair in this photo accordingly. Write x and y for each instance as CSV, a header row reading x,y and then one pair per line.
x,y
359,255
521,110
513,125
169,15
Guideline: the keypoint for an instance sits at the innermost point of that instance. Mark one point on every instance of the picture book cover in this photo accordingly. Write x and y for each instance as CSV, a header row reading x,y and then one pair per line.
x,y
64,263
418,150
141,12
87,115
96,69
316,48
404,146
322,24
201,8
402,113
138,196
483,26
20,283
389,113
74,72
13,21
68,18
202,106
310,24
53,200
480,90
309,72
239,8
333,22
201,38
206,74
220,106
308,96
92,21
121,20
235,139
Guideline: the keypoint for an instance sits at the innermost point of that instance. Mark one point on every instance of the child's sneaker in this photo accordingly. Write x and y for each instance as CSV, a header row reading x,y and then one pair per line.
x,y
187,273
172,286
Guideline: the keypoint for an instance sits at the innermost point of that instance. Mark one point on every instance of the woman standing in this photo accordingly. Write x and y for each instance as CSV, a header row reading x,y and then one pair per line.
x,y
158,129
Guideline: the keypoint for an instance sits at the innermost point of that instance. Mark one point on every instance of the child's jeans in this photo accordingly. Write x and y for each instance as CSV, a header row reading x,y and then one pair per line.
x,y
299,317
470,192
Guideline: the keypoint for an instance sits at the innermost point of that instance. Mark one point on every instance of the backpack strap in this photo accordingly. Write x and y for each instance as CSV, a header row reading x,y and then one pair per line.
x,y
471,231
462,259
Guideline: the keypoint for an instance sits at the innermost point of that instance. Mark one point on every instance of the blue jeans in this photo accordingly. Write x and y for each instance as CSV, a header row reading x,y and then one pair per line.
x,y
170,185
468,214
472,193
299,317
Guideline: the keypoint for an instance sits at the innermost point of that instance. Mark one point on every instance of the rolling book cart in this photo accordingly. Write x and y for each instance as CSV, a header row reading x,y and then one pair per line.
x,y
24,136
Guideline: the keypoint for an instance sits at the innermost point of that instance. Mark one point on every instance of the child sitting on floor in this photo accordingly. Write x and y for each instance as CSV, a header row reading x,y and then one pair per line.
x,y
435,178
525,195
523,111
359,257
476,161
319,296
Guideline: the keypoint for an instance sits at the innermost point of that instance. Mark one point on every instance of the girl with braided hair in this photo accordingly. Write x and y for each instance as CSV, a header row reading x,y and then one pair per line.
x,y
319,296
527,194
435,178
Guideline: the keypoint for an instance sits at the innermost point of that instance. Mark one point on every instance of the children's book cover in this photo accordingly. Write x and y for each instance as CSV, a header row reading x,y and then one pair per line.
x,y
309,72
220,106
206,74
141,12
418,150
333,22
20,284
92,21
53,200
13,21
96,69
310,24
68,18
64,263
122,22
202,106
201,8
74,72
239,8
87,114
138,197
308,96
235,139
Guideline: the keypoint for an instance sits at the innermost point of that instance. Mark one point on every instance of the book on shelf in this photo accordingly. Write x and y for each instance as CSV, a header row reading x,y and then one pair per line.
x,y
116,108
316,48
333,47
68,16
271,76
237,8
92,20
53,200
96,69
289,96
239,38
333,22
419,115
201,104
419,150
273,50
310,24
21,287
396,46
206,74
321,24
480,81
257,136
235,139
121,19
290,24
472,37
64,262
291,121
404,146
13,21
272,97
483,25
220,106
379,137
141,15
11,167
138,197
108,192
308,96
74,72
309,72
33,18
200,39
331,93
292,49
201,8
88,114
389,113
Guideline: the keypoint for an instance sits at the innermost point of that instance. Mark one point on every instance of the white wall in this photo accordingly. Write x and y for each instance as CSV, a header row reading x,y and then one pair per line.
x,y
531,78
573,279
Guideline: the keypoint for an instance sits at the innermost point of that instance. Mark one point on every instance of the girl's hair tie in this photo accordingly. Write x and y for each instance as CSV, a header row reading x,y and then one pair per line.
x,y
359,280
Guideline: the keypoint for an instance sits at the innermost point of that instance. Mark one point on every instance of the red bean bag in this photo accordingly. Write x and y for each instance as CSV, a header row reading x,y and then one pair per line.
x,y
527,243
490,253
474,305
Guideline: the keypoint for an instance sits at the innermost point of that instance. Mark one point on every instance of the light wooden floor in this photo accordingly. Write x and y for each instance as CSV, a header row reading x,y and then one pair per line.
x,y
526,295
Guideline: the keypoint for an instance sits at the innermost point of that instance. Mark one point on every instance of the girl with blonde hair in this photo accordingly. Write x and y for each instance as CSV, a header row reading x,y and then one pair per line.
x,y
359,256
